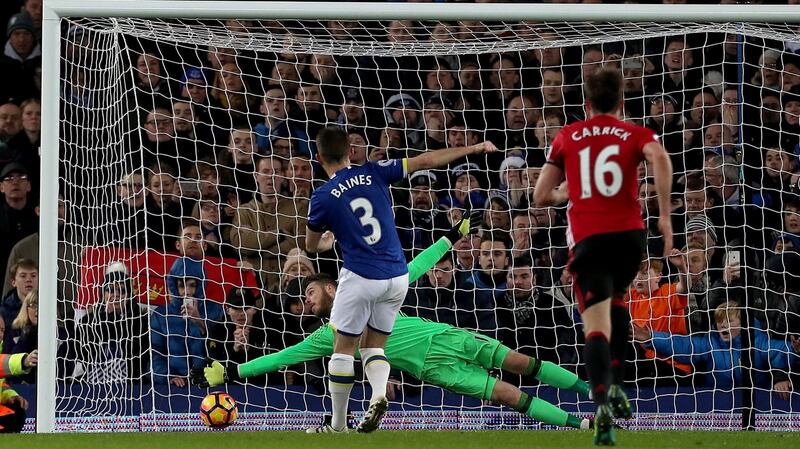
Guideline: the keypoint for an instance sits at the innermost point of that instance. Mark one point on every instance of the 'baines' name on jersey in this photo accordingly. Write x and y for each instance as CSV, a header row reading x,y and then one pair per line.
x,y
600,131
360,180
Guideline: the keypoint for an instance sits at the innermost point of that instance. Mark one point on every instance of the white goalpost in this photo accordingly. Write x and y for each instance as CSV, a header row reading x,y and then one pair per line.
x,y
96,116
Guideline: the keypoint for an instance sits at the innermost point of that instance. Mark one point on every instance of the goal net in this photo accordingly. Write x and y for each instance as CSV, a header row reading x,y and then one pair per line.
x,y
186,161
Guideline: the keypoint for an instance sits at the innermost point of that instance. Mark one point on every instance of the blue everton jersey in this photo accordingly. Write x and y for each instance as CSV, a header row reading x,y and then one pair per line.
x,y
356,206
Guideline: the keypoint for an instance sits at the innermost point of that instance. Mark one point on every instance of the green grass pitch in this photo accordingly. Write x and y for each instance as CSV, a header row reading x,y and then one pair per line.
x,y
401,439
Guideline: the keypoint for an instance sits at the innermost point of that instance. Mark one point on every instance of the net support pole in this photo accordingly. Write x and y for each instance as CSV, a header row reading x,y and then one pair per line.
x,y
747,393
48,223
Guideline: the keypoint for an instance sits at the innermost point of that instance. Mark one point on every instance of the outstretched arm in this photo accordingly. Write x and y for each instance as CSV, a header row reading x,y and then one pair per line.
x,y
545,193
317,345
657,156
439,158
425,260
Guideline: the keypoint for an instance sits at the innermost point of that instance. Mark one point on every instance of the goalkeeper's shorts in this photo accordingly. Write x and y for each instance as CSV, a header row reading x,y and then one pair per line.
x,y
460,361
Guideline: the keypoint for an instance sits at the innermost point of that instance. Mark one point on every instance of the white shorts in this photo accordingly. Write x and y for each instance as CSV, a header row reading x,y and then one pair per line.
x,y
362,302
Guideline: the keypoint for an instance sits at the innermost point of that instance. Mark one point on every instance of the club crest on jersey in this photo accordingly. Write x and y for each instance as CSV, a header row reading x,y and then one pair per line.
x,y
600,131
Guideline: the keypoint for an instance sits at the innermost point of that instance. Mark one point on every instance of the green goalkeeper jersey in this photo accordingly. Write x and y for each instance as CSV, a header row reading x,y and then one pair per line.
x,y
406,348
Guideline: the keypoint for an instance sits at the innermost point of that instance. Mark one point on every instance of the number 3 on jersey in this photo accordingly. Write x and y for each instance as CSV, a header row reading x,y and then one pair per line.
x,y
597,177
367,219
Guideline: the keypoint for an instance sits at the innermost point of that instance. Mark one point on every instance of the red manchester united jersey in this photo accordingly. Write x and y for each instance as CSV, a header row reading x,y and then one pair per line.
x,y
600,158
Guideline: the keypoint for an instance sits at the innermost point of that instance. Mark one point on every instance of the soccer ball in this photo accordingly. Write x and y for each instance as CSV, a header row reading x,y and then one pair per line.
x,y
218,410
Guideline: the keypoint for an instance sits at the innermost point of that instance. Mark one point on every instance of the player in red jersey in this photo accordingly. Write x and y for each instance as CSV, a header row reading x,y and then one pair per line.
x,y
599,158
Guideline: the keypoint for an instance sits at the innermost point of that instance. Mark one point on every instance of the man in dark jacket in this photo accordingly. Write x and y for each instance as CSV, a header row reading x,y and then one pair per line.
x,y
534,321
113,336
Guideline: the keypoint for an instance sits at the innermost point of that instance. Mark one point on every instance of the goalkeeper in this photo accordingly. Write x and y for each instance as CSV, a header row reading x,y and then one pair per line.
x,y
436,353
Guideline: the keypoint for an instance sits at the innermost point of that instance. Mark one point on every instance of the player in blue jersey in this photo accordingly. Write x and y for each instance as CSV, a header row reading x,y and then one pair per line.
x,y
356,207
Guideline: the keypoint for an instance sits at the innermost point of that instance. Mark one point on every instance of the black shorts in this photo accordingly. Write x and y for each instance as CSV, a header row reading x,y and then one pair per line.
x,y
604,265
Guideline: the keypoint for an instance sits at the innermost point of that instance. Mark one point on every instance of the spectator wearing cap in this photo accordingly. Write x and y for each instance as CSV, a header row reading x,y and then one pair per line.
x,y
113,337
511,187
701,231
193,87
276,124
18,217
178,329
419,224
437,115
633,87
404,112
768,75
351,113
21,57
240,337
466,190
297,265
664,118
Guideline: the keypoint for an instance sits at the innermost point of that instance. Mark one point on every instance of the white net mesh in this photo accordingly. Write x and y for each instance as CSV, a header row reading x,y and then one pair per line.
x,y
165,129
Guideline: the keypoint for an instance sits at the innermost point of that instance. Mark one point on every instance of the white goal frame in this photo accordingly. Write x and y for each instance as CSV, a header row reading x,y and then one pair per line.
x,y
55,10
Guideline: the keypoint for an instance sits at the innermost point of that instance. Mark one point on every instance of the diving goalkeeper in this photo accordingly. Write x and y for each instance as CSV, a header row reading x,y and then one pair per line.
x,y
436,353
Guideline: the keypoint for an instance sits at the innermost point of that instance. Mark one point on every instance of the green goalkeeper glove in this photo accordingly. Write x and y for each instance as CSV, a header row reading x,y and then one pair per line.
x,y
469,223
214,375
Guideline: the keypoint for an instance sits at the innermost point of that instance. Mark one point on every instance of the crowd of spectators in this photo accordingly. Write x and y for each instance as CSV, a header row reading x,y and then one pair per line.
x,y
218,162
